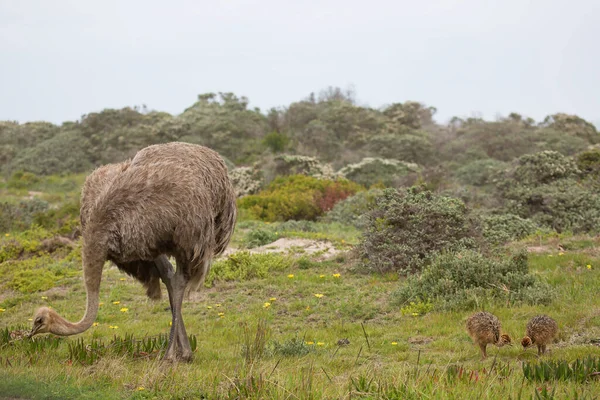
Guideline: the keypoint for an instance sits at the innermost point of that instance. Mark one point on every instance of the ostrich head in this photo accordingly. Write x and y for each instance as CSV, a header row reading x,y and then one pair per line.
x,y
526,342
504,341
44,321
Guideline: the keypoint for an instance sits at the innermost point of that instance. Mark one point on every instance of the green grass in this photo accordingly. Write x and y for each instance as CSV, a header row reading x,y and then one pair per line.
x,y
268,325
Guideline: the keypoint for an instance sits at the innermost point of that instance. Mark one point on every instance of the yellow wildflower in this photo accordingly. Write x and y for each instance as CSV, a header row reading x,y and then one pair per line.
x,y
2,309
272,299
290,275
116,302
310,343
170,323
122,279
218,305
307,308
124,309
319,295
101,304
415,314
7,234
561,254
321,276
113,327
95,324
589,266
267,305
320,344
44,297
221,314
336,275
139,389
394,343
209,307
28,319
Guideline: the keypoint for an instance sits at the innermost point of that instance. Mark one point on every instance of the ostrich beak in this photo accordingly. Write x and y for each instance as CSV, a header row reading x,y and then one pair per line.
x,y
33,331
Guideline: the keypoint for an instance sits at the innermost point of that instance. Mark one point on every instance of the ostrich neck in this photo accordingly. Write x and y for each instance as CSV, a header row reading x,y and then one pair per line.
x,y
94,256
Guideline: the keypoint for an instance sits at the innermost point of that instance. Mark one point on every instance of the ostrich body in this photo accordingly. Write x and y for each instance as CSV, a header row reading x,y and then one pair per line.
x,y
541,331
484,328
171,199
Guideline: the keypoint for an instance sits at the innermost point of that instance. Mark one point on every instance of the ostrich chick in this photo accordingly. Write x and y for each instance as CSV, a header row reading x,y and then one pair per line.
x,y
484,329
541,330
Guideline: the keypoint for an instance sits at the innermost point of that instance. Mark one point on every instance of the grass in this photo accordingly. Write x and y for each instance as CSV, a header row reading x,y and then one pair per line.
x,y
292,342
269,327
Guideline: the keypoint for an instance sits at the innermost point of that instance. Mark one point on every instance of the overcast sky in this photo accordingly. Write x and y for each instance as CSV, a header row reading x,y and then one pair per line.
x,y
61,59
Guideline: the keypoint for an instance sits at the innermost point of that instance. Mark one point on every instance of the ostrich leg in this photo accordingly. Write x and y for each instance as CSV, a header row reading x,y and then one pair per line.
x,y
178,346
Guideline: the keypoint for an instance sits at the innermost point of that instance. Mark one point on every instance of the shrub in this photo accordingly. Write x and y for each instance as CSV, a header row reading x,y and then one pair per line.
x,y
541,168
243,266
245,180
352,210
589,162
22,180
546,188
276,142
407,226
21,215
259,237
502,228
297,197
287,164
479,172
461,280
370,171
292,347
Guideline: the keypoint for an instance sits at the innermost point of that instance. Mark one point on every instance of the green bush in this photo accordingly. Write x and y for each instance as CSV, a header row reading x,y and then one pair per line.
x,y
20,216
259,237
479,172
276,142
297,197
502,228
408,226
370,171
243,266
465,279
589,162
22,180
546,187
352,210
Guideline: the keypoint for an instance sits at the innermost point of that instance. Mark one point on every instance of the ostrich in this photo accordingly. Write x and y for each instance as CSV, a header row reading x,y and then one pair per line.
x,y
172,199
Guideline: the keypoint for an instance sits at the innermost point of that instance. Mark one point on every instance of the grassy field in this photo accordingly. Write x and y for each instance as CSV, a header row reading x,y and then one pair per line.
x,y
275,333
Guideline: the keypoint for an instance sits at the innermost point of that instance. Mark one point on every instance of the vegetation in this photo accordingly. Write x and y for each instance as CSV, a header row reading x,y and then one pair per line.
x,y
365,239
407,227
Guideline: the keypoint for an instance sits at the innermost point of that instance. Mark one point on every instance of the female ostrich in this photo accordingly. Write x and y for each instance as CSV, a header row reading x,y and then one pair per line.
x,y
171,199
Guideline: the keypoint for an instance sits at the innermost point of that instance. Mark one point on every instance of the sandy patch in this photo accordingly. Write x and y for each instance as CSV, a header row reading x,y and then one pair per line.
x,y
300,246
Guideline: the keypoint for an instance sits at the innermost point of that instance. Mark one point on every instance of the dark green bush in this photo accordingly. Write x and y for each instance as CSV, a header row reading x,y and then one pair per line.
x,y
589,162
465,279
502,228
547,188
352,210
371,171
297,197
408,226
22,180
479,172
259,237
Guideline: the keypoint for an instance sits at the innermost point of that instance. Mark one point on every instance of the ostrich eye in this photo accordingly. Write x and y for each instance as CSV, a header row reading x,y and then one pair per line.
x,y
38,320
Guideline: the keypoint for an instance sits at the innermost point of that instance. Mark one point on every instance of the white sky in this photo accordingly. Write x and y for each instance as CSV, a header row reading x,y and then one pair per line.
x,y
60,59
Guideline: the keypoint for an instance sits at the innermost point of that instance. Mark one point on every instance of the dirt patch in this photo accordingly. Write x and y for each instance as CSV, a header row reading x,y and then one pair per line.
x,y
539,249
324,248
420,340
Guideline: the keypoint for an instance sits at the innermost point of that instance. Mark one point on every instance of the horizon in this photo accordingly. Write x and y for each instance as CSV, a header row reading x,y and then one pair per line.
x,y
67,59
